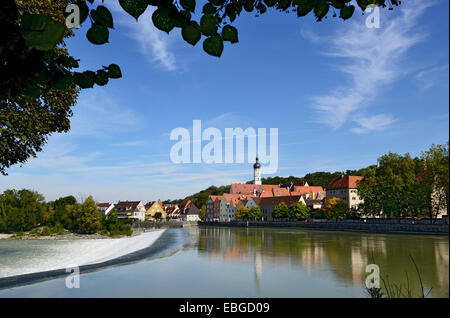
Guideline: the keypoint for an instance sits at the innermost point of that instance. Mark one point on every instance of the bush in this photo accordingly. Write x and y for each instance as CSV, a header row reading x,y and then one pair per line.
x,y
45,231
58,228
320,214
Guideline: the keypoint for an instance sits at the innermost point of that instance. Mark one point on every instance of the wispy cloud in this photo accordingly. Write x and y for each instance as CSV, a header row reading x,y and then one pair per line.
x,y
373,123
371,58
431,77
152,42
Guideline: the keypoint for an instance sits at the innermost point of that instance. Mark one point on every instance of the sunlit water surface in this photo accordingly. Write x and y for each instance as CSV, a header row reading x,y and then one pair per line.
x,y
251,262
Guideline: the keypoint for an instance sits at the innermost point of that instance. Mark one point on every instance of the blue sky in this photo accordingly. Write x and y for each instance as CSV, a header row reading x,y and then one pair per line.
x,y
340,94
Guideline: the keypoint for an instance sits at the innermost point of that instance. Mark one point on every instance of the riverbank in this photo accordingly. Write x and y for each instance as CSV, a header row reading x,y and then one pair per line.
x,y
383,228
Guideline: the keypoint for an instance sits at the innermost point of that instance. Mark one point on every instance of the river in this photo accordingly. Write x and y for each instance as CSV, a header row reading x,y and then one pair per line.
x,y
242,262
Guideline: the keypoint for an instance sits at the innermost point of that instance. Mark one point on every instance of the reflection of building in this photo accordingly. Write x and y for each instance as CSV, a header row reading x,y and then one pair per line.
x,y
345,188
258,269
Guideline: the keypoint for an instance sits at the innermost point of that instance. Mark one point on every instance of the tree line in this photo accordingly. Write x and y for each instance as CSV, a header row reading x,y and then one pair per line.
x,y
26,210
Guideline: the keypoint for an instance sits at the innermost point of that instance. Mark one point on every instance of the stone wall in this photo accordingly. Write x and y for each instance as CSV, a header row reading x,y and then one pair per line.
x,y
355,226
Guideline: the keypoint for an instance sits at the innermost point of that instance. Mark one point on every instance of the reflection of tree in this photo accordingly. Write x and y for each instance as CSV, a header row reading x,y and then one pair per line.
x,y
345,254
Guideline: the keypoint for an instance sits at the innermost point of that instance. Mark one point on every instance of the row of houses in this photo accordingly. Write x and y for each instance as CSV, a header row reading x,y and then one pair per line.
x,y
223,208
152,210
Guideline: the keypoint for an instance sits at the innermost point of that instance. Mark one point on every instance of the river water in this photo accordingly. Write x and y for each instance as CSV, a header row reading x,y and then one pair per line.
x,y
240,262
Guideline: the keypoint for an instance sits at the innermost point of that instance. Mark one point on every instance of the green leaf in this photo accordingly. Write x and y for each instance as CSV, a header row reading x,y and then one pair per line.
x,y
85,79
31,92
191,33
40,32
101,78
208,24
304,8
213,45
230,34
208,8
162,20
188,5
102,16
321,8
114,71
98,34
347,12
84,10
63,83
134,7
249,5
270,3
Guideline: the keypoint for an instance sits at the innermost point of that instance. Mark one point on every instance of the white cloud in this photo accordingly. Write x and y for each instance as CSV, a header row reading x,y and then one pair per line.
x,y
371,58
431,77
373,123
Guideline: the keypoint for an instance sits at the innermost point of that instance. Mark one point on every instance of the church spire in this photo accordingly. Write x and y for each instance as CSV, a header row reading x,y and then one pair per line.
x,y
257,172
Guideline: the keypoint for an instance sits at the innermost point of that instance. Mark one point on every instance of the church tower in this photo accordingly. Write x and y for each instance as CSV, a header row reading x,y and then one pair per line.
x,y
257,172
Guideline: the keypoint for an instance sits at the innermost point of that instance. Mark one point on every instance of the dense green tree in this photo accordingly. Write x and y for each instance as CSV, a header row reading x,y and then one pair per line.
x,y
298,210
21,210
113,226
280,211
335,208
86,216
255,213
202,212
434,180
393,190
242,213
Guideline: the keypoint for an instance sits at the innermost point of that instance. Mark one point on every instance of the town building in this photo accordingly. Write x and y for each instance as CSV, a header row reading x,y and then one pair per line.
x,y
191,213
212,212
345,188
105,208
154,211
268,204
130,210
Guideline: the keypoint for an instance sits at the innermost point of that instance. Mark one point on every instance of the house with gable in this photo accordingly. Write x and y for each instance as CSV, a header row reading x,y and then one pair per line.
x,y
154,211
130,210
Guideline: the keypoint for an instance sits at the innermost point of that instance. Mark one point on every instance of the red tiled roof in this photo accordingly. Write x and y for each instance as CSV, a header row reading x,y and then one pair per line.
x,y
344,182
303,189
149,204
273,201
238,188
127,205
104,205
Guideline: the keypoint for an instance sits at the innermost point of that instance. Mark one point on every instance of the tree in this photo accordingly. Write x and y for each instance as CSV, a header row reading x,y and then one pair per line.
x,y
335,208
87,218
202,212
434,180
298,210
320,214
394,189
255,213
280,211
242,213
35,69
21,210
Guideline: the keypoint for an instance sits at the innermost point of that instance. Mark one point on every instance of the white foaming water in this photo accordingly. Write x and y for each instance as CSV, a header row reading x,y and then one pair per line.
x,y
25,257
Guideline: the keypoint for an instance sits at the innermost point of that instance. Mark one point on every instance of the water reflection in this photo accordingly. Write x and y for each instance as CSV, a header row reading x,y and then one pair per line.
x,y
345,255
